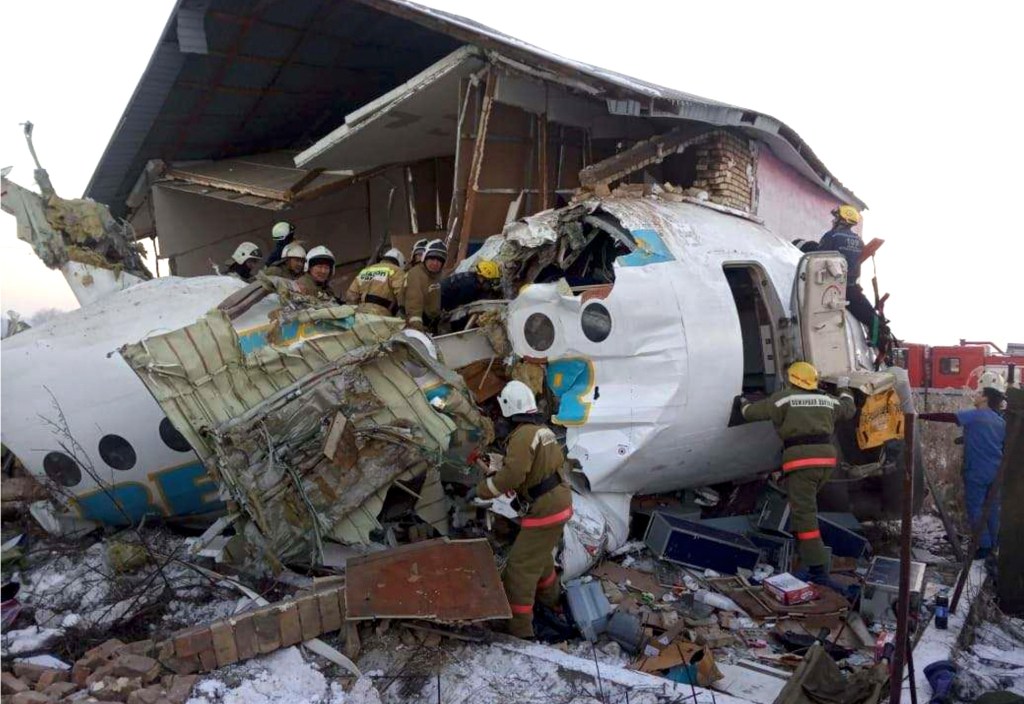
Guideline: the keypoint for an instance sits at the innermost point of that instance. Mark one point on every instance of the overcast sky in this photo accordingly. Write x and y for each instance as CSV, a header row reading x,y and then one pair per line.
x,y
914,106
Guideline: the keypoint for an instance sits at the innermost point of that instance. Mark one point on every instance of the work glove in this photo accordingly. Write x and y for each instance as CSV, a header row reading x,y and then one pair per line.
x,y
736,417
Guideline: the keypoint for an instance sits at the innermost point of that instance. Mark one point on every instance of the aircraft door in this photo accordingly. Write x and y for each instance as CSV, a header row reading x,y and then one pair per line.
x,y
819,303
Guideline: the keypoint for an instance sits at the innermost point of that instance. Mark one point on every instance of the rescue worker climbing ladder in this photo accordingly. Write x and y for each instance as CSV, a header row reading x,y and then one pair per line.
x,y
805,419
533,469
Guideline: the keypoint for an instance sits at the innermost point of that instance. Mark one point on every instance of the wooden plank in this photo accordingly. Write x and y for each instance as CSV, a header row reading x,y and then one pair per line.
x,y
473,182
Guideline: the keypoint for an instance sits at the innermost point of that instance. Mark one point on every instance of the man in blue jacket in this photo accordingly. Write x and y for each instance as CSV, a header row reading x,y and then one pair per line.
x,y
841,238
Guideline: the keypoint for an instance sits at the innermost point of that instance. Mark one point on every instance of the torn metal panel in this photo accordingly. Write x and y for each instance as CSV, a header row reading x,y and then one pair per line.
x,y
438,580
78,230
258,407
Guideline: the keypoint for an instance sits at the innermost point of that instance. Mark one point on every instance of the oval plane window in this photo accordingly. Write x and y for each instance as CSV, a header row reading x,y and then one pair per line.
x,y
539,332
596,322
117,452
62,469
172,438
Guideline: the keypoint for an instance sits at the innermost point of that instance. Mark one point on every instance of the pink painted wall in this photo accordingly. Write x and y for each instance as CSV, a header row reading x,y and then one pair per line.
x,y
791,205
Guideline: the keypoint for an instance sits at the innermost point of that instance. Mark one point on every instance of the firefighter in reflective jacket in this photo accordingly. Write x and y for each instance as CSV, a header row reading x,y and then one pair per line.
x,y
534,470
423,288
805,419
379,289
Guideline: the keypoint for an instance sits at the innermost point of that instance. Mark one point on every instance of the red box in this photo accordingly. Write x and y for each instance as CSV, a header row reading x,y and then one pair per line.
x,y
788,590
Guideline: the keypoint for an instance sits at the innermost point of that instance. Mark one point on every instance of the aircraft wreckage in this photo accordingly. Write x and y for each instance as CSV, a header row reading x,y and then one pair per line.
x,y
321,425
661,286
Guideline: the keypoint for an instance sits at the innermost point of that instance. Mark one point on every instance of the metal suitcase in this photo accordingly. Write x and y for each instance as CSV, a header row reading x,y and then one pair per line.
x,y
694,545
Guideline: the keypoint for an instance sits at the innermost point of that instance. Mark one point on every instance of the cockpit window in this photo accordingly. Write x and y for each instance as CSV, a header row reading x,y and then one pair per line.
x,y
596,322
539,332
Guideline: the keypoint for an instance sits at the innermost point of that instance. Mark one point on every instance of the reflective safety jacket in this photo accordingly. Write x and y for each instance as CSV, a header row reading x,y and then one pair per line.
x,y
378,289
422,297
308,286
533,469
805,421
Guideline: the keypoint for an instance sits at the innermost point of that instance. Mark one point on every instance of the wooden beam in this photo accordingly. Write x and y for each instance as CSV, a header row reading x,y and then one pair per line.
x,y
542,133
473,182
640,155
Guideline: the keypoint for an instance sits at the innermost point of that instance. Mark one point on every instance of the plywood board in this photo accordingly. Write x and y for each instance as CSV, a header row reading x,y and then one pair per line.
x,y
437,580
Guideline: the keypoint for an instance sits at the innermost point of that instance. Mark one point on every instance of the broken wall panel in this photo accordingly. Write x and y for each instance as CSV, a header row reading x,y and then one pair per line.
x,y
440,580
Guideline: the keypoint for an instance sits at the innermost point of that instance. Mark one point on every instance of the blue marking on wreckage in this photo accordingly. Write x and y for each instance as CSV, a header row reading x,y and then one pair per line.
x,y
650,249
185,490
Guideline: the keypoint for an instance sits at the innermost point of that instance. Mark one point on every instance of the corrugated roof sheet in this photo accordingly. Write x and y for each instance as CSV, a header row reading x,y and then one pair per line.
x,y
282,75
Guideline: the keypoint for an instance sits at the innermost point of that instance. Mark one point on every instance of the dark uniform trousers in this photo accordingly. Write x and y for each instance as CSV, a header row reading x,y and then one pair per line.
x,y
533,458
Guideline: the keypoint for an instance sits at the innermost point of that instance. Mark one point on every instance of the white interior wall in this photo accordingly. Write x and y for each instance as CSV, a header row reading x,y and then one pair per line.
x,y
196,232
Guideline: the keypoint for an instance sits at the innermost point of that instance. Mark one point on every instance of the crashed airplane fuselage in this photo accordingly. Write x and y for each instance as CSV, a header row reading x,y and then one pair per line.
x,y
646,317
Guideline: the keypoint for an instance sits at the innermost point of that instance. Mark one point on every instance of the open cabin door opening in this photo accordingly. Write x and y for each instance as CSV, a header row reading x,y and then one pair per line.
x,y
759,334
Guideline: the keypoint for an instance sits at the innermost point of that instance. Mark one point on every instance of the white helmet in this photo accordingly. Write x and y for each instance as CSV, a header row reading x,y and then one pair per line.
x,y
293,250
281,230
246,251
396,255
992,380
516,398
320,252
436,249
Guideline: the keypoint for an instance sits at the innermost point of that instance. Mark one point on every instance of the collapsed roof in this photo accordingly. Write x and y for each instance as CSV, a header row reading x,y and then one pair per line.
x,y
227,80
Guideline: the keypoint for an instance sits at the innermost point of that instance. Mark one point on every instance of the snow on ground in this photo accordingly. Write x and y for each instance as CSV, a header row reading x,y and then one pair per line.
x,y
284,677
995,661
73,586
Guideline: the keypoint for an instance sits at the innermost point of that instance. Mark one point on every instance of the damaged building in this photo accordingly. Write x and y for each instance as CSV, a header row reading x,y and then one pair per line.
x,y
646,280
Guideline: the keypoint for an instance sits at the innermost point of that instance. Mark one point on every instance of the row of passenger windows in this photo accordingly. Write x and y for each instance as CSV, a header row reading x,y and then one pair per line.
x,y
595,320
114,450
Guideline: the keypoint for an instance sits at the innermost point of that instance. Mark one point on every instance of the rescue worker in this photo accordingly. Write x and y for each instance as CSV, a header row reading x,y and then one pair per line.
x,y
841,238
418,248
245,262
423,289
378,289
319,270
292,263
805,418
482,281
984,436
534,469
283,234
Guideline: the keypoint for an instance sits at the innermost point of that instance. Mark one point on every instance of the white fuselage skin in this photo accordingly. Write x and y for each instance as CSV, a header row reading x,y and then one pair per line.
x,y
655,414
69,368
657,410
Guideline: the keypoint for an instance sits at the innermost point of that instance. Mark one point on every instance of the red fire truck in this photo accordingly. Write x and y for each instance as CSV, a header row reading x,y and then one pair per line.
x,y
959,366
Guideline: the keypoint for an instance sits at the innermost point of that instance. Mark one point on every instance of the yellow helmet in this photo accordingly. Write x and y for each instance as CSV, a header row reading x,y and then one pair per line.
x,y
488,269
804,375
848,214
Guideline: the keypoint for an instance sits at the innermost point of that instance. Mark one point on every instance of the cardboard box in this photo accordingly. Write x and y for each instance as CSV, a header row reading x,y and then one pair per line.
x,y
788,590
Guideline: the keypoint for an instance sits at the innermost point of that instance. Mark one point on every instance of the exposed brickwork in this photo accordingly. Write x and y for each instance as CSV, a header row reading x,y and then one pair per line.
x,y
725,169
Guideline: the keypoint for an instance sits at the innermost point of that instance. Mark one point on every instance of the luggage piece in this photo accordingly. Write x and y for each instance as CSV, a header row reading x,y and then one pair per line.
x,y
696,545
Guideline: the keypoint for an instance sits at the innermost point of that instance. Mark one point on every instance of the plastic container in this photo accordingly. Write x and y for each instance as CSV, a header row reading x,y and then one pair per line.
x,y
589,607
626,630
942,610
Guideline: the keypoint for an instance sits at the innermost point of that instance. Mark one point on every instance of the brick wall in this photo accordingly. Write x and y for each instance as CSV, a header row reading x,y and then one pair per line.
x,y
725,169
